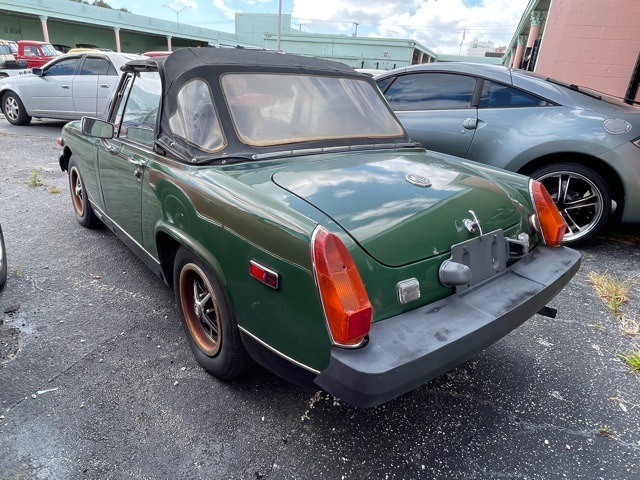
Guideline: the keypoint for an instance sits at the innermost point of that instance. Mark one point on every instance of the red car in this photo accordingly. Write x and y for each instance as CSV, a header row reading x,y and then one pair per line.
x,y
35,53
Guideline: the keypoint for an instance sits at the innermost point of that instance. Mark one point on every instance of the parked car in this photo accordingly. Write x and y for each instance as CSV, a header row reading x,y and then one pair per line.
x,y
9,66
583,145
3,260
157,53
301,227
62,48
35,53
68,87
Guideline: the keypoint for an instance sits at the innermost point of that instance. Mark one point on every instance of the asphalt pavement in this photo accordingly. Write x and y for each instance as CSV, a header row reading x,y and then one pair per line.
x,y
97,380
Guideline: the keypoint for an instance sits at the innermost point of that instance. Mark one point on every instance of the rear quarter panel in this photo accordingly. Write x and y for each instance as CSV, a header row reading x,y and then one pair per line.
x,y
227,224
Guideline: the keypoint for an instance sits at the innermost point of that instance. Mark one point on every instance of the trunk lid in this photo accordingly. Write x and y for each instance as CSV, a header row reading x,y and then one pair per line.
x,y
381,201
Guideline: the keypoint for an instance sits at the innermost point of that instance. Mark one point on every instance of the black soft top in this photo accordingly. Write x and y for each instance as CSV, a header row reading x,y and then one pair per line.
x,y
209,64
186,59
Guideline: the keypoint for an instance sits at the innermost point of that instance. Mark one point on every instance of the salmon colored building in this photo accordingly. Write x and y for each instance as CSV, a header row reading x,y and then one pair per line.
x,y
592,43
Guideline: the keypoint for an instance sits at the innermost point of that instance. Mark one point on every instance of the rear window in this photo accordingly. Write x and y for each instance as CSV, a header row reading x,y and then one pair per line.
x,y
497,95
273,109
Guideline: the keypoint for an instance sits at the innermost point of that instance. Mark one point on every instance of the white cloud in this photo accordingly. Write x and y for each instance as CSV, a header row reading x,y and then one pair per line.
x,y
227,11
438,24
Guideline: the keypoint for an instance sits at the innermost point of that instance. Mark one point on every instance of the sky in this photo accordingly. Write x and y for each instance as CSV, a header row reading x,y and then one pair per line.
x,y
438,24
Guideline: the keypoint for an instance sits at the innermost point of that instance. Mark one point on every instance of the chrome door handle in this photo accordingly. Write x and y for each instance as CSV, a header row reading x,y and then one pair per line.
x,y
470,123
136,163
65,87
104,85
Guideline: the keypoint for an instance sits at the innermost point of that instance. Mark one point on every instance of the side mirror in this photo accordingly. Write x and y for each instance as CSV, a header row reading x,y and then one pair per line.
x,y
37,71
97,128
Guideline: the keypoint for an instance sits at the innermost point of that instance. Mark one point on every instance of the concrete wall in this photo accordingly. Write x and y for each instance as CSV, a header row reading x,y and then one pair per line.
x,y
19,19
251,27
592,42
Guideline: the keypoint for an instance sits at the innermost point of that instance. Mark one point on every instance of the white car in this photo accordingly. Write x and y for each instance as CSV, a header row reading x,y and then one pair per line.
x,y
69,87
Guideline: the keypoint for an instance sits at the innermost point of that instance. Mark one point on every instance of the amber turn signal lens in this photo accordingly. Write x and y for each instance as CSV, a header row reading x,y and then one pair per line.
x,y
552,225
344,298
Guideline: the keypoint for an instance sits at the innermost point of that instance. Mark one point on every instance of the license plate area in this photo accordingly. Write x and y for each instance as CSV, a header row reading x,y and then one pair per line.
x,y
485,256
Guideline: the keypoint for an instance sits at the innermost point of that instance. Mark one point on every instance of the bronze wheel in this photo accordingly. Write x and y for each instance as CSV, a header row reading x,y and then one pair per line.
x,y
207,318
75,185
80,197
200,309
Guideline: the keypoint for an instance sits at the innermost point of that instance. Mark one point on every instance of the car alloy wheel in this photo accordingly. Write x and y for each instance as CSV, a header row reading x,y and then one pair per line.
x,y
583,203
11,109
200,309
77,191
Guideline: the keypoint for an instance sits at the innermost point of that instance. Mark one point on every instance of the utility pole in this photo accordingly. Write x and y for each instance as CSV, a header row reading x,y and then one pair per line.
x,y
279,24
355,34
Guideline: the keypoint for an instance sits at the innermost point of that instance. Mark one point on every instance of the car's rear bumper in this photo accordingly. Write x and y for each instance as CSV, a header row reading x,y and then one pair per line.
x,y
408,350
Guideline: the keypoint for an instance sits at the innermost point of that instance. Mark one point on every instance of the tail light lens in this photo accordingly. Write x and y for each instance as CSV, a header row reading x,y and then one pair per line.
x,y
344,298
552,225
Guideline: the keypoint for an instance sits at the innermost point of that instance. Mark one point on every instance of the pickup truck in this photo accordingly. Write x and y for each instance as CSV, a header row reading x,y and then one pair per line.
x,y
35,53
9,66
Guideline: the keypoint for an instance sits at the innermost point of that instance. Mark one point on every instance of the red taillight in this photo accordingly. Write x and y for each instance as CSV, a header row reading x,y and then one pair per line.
x,y
552,225
344,298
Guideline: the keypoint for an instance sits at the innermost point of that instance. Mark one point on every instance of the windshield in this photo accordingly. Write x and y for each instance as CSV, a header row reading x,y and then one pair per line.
x,y
48,50
274,109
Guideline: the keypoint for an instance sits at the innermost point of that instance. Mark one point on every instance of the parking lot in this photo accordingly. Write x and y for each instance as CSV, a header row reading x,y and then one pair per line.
x,y
97,380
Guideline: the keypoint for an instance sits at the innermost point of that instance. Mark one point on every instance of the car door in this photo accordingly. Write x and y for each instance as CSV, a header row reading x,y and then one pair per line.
x,y
92,86
511,121
122,160
435,109
51,94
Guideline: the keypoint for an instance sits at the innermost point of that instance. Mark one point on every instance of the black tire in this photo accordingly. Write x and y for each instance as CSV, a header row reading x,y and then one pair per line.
x,y
3,260
14,110
207,319
79,198
582,196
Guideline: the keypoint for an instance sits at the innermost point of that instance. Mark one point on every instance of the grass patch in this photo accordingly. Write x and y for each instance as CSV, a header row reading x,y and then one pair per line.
x,y
605,431
633,360
15,270
36,179
630,327
52,189
612,291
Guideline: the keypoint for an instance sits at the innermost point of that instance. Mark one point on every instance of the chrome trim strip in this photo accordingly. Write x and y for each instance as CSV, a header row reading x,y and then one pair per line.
x,y
289,359
319,150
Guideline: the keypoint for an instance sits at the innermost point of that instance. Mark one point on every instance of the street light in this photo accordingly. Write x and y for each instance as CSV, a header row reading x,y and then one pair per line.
x,y
177,11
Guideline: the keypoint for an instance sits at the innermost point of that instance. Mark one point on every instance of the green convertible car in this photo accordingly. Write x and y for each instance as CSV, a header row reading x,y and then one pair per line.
x,y
302,228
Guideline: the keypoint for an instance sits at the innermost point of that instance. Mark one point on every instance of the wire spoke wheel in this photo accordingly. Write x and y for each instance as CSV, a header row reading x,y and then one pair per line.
x,y
200,309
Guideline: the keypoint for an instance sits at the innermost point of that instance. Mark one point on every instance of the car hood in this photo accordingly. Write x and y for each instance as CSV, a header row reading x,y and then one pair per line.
x,y
383,202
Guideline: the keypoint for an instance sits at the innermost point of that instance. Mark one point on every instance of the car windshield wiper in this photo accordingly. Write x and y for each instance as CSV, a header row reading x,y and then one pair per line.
x,y
575,88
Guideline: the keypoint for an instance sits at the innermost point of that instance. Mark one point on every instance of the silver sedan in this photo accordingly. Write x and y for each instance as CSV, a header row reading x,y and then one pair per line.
x,y
68,87
583,145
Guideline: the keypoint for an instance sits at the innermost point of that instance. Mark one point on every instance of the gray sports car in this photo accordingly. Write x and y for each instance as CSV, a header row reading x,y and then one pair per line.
x,y
68,87
582,145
